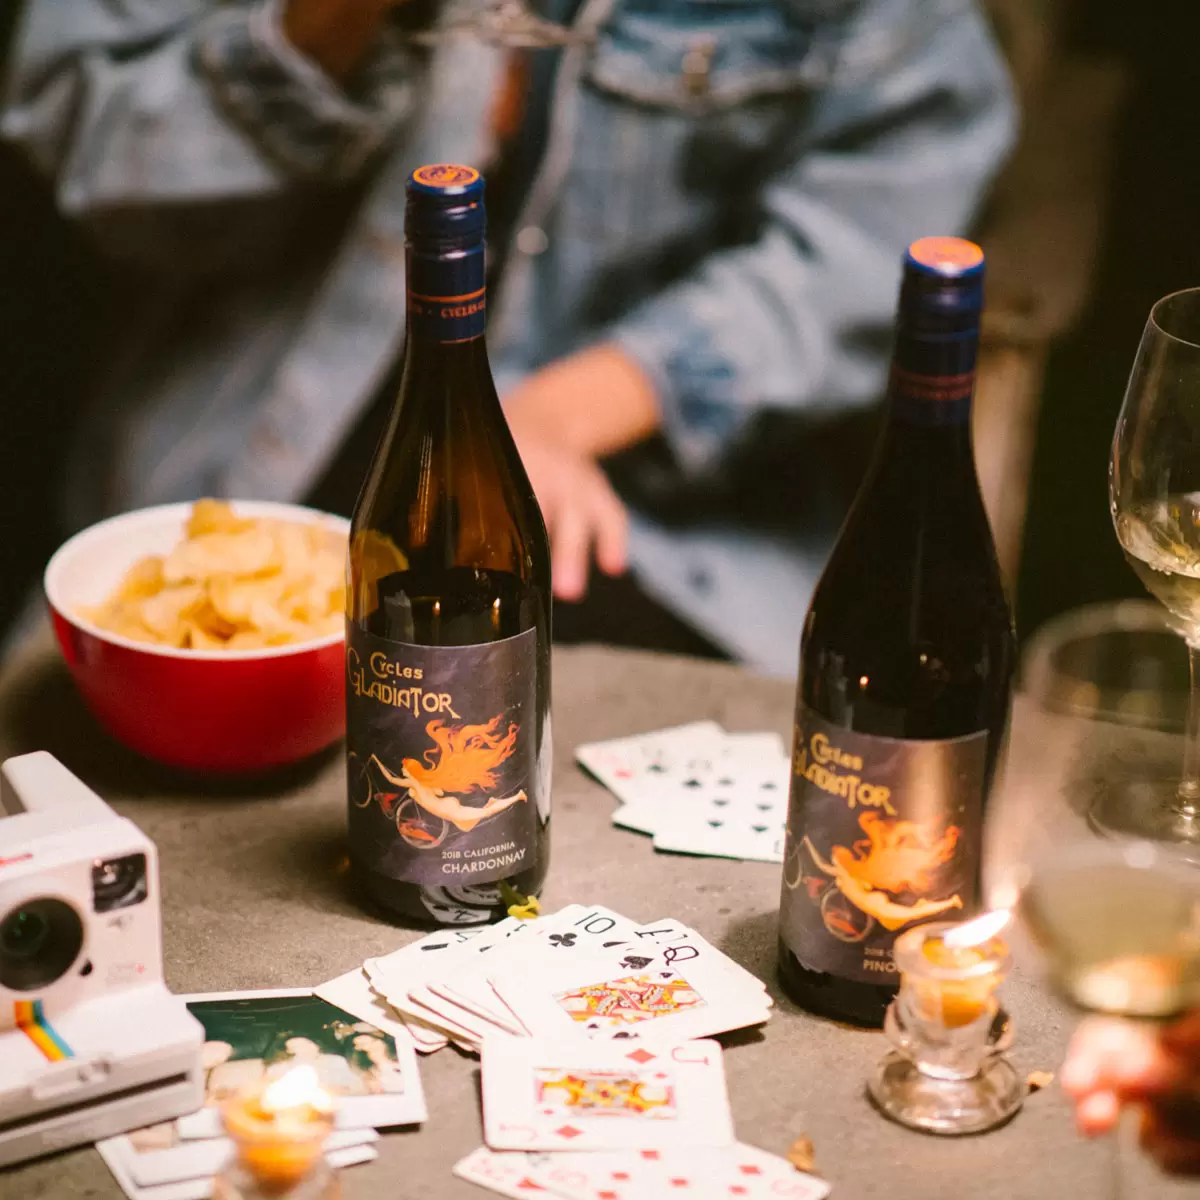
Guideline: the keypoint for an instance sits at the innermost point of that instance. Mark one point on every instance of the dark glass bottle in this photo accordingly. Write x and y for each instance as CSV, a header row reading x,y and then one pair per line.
x,y
448,608
906,665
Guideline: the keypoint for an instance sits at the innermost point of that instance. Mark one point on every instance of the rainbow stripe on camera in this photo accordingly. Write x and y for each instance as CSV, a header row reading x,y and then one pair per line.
x,y
31,1020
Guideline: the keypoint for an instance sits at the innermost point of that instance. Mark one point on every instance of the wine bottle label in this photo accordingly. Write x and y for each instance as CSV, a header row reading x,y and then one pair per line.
x,y
442,758
882,833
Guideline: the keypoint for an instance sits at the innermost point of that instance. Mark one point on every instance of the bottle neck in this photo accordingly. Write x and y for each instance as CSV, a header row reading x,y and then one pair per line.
x,y
445,355
447,297
927,422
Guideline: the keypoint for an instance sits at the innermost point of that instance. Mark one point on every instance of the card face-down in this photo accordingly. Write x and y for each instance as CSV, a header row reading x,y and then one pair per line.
x,y
540,1094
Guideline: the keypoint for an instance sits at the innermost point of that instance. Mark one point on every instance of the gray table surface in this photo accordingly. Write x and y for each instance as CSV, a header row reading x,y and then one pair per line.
x,y
255,896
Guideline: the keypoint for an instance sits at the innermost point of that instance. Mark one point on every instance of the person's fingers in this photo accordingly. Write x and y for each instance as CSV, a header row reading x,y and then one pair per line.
x,y
1107,1052
1097,1113
611,529
570,541
1095,1044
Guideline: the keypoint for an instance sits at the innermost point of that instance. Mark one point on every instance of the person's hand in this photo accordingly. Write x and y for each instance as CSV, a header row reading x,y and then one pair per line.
x,y
582,512
563,418
335,34
1114,1063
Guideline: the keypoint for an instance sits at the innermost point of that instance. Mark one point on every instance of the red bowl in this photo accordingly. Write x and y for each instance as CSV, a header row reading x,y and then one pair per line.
x,y
212,711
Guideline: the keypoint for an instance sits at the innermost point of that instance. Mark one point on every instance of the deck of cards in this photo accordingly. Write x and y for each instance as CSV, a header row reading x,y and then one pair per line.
x,y
582,974
253,1037
617,1120
698,789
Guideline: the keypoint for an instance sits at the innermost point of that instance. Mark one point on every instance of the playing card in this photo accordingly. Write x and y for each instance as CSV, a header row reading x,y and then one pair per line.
x,y
548,1094
354,993
157,1154
202,1188
663,997
401,975
732,803
253,1037
625,764
594,1175
679,944
572,932
737,1172
506,1173
411,991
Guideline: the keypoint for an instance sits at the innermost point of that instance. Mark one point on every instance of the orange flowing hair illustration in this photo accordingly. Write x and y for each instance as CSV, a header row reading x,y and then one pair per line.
x,y
896,856
466,756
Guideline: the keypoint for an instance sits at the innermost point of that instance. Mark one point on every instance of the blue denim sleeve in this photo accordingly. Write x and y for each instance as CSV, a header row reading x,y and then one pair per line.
x,y
178,129
286,104
918,116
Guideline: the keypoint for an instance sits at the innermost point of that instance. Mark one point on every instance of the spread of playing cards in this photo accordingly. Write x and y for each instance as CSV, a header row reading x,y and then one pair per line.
x,y
581,974
698,789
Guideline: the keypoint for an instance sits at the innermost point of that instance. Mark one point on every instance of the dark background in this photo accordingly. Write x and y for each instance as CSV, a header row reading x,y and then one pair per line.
x,y
54,304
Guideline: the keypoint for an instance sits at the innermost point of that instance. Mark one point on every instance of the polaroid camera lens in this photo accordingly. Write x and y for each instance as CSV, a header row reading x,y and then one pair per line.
x,y
119,883
38,943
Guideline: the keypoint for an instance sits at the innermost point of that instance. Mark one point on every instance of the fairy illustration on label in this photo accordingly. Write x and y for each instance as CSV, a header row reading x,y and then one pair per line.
x,y
425,798
897,858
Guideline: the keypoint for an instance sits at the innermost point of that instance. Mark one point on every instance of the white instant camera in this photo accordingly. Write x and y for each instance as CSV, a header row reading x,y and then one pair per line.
x,y
91,1041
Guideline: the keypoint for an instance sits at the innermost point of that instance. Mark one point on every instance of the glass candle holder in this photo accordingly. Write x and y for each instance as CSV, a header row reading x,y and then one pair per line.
x,y
279,1133
947,1073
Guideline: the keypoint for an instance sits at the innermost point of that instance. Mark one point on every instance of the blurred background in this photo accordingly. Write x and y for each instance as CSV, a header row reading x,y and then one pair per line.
x,y
1092,221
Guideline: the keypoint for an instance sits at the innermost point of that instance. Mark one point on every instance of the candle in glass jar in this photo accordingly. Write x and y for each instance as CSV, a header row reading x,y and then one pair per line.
x,y
279,1130
957,979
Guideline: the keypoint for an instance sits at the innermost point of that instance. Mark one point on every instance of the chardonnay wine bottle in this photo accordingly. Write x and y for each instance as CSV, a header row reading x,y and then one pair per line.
x,y
906,663
448,608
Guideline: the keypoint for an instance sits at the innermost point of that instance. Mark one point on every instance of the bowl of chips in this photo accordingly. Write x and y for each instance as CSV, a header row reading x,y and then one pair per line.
x,y
209,636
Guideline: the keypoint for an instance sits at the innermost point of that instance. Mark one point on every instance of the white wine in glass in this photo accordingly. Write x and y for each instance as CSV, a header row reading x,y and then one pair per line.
x,y
1118,923
1154,496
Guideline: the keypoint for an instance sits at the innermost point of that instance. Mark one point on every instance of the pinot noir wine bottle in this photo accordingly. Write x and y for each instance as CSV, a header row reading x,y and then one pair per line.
x,y
906,663
448,609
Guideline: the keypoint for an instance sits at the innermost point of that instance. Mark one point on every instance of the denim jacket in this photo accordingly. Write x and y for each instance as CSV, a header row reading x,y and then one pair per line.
x,y
725,191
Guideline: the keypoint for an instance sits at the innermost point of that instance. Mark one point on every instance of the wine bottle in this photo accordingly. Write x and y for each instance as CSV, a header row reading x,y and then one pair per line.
x,y
906,663
448,607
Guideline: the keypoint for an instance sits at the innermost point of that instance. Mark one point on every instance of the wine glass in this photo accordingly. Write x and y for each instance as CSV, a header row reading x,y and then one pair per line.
x,y
1154,496
1118,922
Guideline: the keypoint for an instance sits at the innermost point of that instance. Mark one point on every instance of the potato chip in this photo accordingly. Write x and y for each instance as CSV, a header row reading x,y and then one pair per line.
x,y
214,516
233,583
251,552
166,612
144,578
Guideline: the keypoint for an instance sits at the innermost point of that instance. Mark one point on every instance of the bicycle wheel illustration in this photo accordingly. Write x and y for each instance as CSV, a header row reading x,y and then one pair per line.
x,y
846,922
418,827
358,777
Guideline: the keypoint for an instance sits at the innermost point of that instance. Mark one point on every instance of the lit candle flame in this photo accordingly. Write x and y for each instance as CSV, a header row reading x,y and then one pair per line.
x,y
975,933
299,1087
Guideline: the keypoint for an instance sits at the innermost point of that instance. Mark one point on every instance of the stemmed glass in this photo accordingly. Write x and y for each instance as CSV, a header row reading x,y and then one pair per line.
x,y
1118,923
1154,495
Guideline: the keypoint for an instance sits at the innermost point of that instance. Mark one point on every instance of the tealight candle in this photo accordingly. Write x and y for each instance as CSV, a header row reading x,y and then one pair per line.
x,y
947,1073
279,1132
965,966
